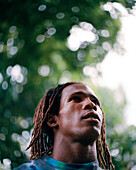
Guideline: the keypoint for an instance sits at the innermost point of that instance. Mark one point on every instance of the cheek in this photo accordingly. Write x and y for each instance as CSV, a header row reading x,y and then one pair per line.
x,y
68,115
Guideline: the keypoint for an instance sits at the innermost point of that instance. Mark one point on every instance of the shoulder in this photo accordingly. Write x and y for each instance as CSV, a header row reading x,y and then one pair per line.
x,y
102,169
33,164
28,165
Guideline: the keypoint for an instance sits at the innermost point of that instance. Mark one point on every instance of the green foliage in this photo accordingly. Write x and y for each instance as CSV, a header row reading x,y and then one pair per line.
x,y
123,148
34,34
120,138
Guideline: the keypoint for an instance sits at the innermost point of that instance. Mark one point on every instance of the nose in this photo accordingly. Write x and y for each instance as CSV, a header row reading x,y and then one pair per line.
x,y
88,104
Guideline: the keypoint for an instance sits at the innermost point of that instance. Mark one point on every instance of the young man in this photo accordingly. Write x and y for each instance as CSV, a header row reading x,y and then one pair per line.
x,y
69,131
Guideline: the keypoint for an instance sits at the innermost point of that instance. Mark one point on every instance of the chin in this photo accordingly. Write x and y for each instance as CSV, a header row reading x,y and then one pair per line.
x,y
88,136
93,134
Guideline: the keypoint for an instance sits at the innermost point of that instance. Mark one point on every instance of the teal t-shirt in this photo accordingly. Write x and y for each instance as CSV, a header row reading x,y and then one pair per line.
x,y
48,163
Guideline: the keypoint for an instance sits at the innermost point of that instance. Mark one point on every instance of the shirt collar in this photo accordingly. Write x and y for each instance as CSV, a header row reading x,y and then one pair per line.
x,y
57,163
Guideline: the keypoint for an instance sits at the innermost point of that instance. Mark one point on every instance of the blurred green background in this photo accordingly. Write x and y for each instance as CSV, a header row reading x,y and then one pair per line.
x,y
37,52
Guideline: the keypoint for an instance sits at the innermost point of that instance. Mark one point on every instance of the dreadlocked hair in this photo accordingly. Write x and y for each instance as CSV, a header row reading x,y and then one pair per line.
x,y
103,153
43,136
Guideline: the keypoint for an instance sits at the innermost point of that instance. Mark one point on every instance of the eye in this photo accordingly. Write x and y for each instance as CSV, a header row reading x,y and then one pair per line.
x,y
76,99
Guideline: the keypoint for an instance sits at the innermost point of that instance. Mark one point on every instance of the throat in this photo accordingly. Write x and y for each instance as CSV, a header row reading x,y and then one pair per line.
x,y
75,153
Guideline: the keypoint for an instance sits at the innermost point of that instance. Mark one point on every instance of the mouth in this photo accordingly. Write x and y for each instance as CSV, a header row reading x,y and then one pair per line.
x,y
91,115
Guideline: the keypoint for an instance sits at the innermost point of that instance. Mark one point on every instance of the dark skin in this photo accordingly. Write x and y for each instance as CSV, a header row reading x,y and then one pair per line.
x,y
77,126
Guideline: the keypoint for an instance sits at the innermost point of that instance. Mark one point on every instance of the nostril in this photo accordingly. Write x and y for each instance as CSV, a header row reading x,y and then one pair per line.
x,y
88,107
95,108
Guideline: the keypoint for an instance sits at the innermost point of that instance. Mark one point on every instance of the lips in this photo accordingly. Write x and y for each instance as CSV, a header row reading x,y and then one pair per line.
x,y
91,114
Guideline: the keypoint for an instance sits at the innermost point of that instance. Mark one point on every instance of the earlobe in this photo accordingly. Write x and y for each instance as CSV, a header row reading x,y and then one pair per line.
x,y
52,120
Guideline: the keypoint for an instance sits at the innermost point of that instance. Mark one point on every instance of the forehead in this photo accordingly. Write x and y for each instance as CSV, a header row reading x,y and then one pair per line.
x,y
67,91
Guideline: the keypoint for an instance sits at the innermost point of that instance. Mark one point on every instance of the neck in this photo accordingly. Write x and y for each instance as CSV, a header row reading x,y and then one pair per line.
x,y
69,151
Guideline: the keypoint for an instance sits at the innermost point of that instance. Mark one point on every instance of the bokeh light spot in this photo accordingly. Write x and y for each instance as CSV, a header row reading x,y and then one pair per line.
x,y
107,6
81,55
4,85
30,120
15,137
51,31
2,137
90,71
24,124
66,76
19,88
60,15
26,134
42,8
24,71
114,152
105,33
81,36
134,167
12,29
7,163
93,53
74,19
1,78
16,74
106,46
17,153
8,70
24,81
21,140
110,7
100,50
44,70
13,50
40,38
75,9
86,26
10,42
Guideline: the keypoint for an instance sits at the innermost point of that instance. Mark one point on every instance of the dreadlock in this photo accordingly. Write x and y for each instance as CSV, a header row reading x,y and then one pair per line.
x,y
43,136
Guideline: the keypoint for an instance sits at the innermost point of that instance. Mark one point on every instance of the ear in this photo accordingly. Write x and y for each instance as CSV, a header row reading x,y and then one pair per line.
x,y
52,120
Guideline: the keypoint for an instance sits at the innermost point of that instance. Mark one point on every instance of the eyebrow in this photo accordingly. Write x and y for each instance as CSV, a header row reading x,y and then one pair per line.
x,y
84,94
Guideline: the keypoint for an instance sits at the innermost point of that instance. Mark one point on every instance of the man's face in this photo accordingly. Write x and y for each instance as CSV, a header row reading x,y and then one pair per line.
x,y
80,116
